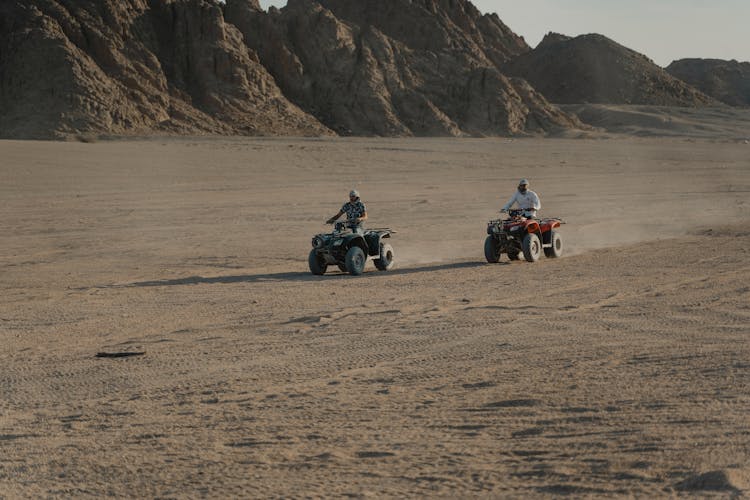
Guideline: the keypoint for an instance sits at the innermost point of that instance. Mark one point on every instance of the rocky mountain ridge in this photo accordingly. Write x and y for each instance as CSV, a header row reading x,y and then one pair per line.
x,y
72,67
315,67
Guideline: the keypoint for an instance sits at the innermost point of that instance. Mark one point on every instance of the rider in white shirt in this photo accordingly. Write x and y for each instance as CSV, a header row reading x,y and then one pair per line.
x,y
527,200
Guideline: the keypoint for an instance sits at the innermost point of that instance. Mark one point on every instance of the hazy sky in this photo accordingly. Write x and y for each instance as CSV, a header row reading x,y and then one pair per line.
x,y
664,30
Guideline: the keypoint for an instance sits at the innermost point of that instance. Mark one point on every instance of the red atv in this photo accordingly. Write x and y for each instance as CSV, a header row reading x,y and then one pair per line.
x,y
518,234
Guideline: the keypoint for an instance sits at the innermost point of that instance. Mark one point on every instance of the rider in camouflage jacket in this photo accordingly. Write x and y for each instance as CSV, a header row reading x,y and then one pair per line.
x,y
355,211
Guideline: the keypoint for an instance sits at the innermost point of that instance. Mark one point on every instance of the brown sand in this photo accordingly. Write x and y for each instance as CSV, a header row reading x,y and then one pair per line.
x,y
622,369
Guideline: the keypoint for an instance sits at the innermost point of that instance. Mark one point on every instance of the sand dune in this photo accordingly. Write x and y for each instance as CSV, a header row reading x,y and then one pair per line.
x,y
621,369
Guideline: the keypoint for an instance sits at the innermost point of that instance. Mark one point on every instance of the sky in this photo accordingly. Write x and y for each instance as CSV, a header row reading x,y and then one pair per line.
x,y
663,30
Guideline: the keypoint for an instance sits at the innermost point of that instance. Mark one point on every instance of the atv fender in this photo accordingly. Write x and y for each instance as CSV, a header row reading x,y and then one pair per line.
x,y
532,227
547,228
356,240
373,239
373,243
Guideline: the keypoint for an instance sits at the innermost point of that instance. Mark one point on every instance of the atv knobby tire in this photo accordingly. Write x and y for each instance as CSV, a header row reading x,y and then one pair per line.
x,y
557,247
491,250
385,262
317,263
355,261
532,247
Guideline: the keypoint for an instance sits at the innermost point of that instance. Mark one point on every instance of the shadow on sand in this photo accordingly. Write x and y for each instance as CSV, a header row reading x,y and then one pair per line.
x,y
296,276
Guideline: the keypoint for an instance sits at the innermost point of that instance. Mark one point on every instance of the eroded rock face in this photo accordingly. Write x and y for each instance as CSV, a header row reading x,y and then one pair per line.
x,y
727,81
397,67
435,25
595,69
134,66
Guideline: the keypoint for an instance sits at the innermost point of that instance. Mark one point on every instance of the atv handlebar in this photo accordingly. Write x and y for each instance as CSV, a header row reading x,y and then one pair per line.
x,y
340,224
346,222
514,213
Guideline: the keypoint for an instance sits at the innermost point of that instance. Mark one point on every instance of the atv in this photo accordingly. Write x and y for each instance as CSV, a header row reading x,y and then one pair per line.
x,y
518,234
349,249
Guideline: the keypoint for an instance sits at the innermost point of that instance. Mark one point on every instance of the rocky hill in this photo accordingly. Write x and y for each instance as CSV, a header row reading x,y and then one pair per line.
x,y
385,67
595,69
134,66
727,81
397,67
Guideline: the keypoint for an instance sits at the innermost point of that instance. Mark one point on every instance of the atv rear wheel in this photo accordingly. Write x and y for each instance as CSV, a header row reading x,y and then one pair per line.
x,y
317,263
532,247
385,262
557,247
491,250
355,261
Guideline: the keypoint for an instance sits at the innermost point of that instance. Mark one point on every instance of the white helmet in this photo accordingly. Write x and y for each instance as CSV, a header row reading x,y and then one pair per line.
x,y
353,193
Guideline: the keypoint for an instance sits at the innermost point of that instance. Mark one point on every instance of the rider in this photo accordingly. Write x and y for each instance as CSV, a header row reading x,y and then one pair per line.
x,y
527,200
355,211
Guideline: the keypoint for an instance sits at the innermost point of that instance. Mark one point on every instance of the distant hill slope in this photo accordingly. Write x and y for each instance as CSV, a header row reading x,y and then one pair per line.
x,y
134,66
594,69
640,120
397,67
727,81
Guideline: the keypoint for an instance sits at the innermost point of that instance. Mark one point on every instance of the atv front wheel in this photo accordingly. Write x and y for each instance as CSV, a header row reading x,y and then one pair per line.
x,y
491,250
385,262
355,261
532,247
317,263
557,247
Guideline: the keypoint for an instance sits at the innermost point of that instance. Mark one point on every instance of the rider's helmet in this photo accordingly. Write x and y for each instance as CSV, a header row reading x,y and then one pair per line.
x,y
354,194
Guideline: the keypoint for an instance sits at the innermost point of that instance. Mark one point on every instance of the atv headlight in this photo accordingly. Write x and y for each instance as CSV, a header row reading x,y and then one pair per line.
x,y
317,242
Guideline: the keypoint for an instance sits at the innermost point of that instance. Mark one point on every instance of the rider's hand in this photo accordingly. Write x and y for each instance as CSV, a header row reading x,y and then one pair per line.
x,y
503,210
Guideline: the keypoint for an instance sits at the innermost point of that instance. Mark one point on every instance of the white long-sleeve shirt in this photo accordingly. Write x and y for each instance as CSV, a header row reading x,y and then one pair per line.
x,y
529,200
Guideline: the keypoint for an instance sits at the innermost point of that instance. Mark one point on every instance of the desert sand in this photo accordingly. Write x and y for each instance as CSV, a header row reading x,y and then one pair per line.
x,y
621,369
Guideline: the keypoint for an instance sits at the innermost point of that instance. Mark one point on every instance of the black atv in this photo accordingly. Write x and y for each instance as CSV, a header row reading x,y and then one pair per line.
x,y
349,249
